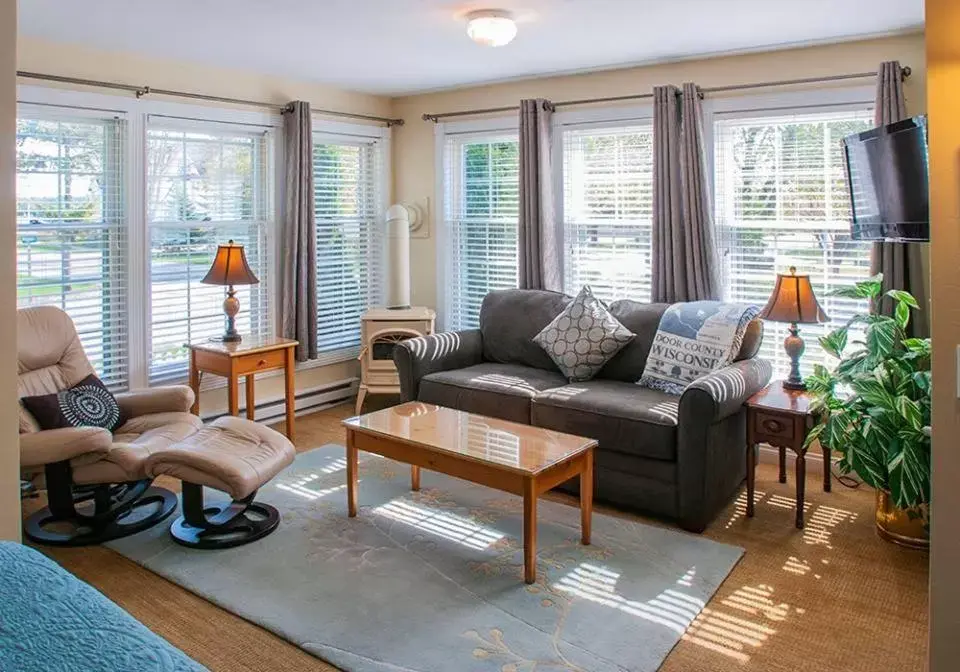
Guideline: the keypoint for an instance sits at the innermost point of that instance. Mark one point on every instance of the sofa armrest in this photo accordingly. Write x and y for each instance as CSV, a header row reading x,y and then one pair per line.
x,y
166,399
418,357
56,445
720,394
712,438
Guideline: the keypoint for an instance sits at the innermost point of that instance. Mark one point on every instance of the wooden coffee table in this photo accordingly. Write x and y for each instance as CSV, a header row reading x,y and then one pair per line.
x,y
515,458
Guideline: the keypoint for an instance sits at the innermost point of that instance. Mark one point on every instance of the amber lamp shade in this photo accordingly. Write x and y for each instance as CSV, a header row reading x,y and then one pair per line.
x,y
793,302
230,268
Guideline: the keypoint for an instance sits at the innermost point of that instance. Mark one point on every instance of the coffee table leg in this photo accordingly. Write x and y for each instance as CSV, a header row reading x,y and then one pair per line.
x,y
415,478
529,531
351,475
586,498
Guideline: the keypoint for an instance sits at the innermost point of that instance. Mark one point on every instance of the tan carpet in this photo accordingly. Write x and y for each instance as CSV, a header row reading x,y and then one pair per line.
x,y
832,597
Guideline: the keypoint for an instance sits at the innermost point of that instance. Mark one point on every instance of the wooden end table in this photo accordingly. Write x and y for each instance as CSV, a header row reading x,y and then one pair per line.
x,y
781,417
245,358
520,459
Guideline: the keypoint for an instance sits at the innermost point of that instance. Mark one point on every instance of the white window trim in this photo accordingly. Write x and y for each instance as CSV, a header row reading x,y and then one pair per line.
x,y
136,111
441,131
775,105
604,116
599,118
815,101
338,130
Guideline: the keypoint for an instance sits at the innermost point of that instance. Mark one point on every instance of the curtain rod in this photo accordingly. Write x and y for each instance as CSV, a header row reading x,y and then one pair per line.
x,y
904,73
140,91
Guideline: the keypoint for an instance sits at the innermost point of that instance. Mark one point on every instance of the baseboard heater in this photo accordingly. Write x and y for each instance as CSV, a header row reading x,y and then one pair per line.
x,y
307,401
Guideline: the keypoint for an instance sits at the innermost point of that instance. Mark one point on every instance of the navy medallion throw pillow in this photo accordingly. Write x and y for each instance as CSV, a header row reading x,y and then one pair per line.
x,y
87,404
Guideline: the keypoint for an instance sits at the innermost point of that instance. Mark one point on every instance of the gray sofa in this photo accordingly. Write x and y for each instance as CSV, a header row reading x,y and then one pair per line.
x,y
680,458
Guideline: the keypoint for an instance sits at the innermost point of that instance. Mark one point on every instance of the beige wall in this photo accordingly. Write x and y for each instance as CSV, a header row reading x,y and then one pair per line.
x,y
943,106
9,448
271,387
413,150
74,61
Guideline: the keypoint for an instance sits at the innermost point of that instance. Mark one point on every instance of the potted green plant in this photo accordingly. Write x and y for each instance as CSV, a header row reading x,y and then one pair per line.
x,y
874,410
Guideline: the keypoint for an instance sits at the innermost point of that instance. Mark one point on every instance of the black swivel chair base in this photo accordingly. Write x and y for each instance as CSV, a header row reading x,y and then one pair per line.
x,y
221,525
105,512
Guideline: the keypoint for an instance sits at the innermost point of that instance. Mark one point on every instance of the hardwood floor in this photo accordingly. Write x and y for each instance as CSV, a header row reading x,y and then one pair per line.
x,y
830,597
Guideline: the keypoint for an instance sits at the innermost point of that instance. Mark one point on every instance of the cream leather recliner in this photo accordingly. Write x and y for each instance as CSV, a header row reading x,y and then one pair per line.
x,y
97,488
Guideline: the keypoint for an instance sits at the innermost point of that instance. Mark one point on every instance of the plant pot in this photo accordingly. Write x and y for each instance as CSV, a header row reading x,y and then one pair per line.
x,y
899,526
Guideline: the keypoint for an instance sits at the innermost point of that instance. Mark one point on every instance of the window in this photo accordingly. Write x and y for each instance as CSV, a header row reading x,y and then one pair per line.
x,y
608,211
349,219
781,201
206,184
480,214
72,229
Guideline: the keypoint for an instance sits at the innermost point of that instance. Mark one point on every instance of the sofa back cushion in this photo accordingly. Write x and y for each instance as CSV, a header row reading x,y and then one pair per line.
x,y
643,319
752,339
510,318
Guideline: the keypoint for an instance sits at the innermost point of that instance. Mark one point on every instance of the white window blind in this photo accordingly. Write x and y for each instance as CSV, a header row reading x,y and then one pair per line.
x,y
781,201
608,210
72,230
480,211
206,184
349,219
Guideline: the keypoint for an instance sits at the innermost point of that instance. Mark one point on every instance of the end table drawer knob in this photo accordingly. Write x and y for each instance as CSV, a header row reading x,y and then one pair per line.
x,y
262,362
772,425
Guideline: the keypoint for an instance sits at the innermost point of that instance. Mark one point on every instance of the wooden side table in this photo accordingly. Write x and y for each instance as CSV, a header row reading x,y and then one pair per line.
x,y
246,358
782,418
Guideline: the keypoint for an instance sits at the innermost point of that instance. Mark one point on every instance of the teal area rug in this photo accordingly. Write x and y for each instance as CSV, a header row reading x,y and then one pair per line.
x,y
432,581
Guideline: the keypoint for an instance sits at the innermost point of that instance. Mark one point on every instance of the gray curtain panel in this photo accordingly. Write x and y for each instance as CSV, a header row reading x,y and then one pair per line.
x,y
298,235
667,259
540,246
900,263
702,269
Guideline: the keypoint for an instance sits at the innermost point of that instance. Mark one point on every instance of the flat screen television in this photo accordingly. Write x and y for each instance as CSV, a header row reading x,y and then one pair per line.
x,y
888,182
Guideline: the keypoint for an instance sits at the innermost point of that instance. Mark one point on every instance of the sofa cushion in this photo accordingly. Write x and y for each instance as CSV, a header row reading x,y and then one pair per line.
x,y
695,338
495,390
642,319
623,417
583,337
752,339
510,318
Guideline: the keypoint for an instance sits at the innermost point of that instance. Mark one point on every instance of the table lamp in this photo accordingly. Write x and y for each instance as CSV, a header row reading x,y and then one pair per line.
x,y
230,268
794,302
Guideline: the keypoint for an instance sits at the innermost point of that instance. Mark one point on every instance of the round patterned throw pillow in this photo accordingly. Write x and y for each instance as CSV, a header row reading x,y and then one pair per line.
x,y
87,404
583,338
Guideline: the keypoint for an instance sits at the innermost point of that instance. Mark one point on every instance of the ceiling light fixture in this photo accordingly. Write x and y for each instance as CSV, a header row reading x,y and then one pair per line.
x,y
491,27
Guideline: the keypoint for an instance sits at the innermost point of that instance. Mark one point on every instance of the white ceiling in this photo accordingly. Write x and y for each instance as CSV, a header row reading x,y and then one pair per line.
x,y
403,46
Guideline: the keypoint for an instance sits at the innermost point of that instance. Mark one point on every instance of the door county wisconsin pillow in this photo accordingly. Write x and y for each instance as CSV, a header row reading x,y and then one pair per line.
x,y
695,339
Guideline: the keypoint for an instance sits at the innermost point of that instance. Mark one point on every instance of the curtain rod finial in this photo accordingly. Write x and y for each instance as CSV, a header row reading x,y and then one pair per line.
x,y
905,72
395,122
142,91
431,117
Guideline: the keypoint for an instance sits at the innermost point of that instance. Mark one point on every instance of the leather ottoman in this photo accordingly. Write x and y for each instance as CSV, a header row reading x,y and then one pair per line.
x,y
234,456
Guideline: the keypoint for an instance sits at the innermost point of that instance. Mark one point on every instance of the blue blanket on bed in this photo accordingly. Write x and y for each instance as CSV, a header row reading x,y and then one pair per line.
x,y
52,621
